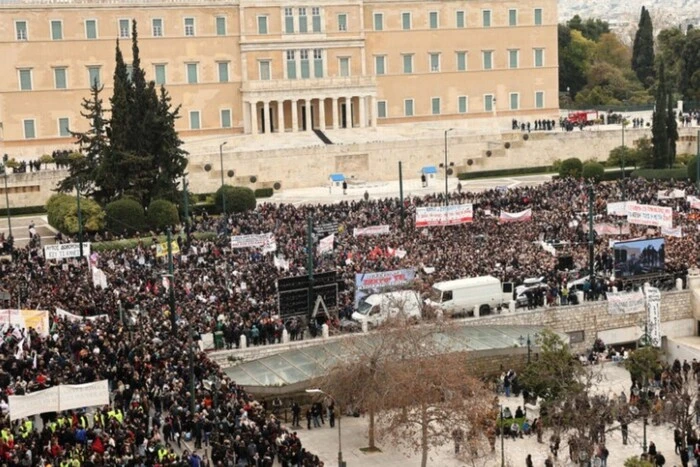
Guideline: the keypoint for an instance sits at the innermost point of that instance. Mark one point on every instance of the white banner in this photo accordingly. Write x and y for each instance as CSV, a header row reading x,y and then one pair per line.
x,y
25,319
671,194
623,303
61,313
646,214
435,216
521,216
694,202
66,250
265,241
34,403
58,398
654,316
99,278
326,244
618,208
373,230
672,232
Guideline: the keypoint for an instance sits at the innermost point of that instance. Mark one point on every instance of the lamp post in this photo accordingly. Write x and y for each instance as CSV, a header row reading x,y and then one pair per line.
x,y
568,101
7,198
623,161
186,201
221,161
340,445
503,454
522,341
80,218
446,192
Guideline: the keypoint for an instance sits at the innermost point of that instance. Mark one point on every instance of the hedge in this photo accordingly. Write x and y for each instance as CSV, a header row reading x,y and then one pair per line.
x,y
263,192
692,168
125,216
130,243
505,172
23,210
662,174
594,170
571,167
62,214
611,175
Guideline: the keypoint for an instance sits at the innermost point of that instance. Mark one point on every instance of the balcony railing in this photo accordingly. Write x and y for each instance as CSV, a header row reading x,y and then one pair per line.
x,y
308,84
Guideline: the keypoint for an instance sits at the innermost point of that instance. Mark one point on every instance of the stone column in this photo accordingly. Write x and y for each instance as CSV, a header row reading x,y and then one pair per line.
x,y
335,113
307,114
373,111
322,113
295,119
266,116
280,116
348,112
254,118
363,115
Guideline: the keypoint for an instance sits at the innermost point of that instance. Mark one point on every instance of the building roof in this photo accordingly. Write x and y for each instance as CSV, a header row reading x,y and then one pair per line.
x,y
429,169
337,177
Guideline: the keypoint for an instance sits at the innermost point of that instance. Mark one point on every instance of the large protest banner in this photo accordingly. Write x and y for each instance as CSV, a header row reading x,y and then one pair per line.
x,y
162,249
265,241
654,316
25,319
618,208
623,303
647,214
73,318
670,194
436,216
58,398
373,230
66,250
693,201
326,244
522,216
372,282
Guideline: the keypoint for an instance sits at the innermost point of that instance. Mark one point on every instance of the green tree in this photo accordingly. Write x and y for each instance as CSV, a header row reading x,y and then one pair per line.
x,y
590,28
643,363
571,167
692,169
670,44
622,156
62,213
643,49
672,131
238,198
594,170
574,56
689,76
645,152
162,213
659,127
125,215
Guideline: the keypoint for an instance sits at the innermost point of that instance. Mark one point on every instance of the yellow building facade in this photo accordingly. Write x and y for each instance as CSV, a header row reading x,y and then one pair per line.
x,y
271,66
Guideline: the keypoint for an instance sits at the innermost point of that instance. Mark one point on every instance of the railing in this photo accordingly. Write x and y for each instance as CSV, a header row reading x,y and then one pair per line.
x,y
311,83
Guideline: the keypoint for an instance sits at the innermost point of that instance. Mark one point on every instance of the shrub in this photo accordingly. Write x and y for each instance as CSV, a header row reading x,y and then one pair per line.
x,y
594,170
662,174
161,214
571,167
692,169
125,216
238,198
62,213
683,159
610,175
504,172
24,210
263,192
57,208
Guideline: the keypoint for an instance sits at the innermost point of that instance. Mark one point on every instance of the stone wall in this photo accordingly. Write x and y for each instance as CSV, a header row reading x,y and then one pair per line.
x,y
31,188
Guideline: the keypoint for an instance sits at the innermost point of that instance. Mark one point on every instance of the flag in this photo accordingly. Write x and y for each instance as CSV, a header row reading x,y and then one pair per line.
x,y
162,249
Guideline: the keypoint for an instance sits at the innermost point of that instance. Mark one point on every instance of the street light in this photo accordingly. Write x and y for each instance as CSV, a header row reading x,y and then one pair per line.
x,y
521,339
446,193
340,446
7,198
221,160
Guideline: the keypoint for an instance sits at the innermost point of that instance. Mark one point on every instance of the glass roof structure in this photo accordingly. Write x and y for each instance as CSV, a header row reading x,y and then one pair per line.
x,y
307,363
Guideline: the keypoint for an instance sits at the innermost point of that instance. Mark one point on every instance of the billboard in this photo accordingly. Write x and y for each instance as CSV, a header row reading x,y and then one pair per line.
x,y
374,282
639,257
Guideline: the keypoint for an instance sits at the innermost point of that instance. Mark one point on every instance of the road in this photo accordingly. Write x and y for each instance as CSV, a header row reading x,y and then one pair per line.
x,y
20,228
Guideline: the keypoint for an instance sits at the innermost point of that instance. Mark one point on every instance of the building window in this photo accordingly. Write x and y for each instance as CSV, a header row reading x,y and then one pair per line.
x,y
459,19
462,104
124,28
488,59
539,99
220,25
538,16
380,65
189,26
342,22
408,107
59,78
21,30
91,29
225,118
381,109
318,63
488,102
63,127
513,58
461,61
305,69
407,63
265,71
160,74
435,105
539,58
29,130
512,17
291,65
94,76
262,24
316,19
223,72
56,30
434,62
514,101
344,66
576,337
434,23
303,26
289,20
157,27
25,79
486,18
195,124
406,21
192,73
379,21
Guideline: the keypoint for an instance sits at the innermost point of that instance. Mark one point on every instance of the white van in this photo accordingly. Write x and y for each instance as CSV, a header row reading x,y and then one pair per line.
x,y
473,296
376,308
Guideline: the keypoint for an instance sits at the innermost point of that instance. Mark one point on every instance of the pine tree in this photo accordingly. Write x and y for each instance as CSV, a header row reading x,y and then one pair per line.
x,y
659,128
672,130
643,49
169,158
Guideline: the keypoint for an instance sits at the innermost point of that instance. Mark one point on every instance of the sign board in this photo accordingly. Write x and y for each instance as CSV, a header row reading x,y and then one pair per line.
x,y
66,250
373,282
253,241
326,228
618,208
436,216
653,316
646,214
25,319
293,293
623,303
373,230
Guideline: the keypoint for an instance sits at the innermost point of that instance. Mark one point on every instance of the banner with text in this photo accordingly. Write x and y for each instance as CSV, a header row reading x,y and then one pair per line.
x,y
647,214
25,319
66,250
618,208
522,216
373,230
672,232
625,303
372,282
162,249
437,216
694,202
326,244
671,194
653,316
58,398
264,241
73,318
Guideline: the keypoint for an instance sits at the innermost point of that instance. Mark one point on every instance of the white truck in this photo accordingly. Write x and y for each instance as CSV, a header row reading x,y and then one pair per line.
x,y
376,308
472,296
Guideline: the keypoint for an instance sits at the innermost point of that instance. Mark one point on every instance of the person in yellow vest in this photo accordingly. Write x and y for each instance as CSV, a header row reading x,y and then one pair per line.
x,y
83,421
5,434
26,428
162,453
52,426
119,416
